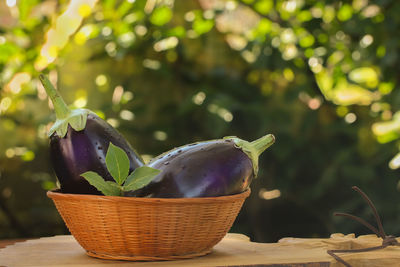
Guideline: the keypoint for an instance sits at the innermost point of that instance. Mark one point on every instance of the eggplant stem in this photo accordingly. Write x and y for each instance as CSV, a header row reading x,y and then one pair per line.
x,y
60,107
253,149
261,144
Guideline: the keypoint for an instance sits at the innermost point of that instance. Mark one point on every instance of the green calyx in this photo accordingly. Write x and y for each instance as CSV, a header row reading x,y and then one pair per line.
x,y
65,116
253,149
76,118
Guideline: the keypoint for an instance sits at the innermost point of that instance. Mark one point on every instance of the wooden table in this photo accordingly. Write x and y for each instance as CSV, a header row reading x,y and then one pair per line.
x,y
233,250
6,242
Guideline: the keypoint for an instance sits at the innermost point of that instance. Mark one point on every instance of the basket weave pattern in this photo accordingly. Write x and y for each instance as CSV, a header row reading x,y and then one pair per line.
x,y
128,228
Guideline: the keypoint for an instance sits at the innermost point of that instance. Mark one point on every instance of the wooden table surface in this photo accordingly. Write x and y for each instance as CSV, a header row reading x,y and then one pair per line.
x,y
7,242
233,250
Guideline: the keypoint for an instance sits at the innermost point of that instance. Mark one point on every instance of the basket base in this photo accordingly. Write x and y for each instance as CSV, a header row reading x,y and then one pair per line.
x,y
147,258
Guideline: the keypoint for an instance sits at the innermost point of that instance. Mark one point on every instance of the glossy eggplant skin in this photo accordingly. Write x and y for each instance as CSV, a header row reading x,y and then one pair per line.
x,y
85,150
205,169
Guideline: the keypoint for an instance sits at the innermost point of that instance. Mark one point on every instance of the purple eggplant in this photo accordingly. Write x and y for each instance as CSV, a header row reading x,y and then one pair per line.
x,y
206,169
79,140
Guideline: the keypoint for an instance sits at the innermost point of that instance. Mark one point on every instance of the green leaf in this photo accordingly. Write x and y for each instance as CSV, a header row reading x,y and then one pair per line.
x,y
139,178
105,187
178,31
307,40
8,50
115,187
264,6
117,163
161,16
24,8
365,75
304,16
345,12
202,26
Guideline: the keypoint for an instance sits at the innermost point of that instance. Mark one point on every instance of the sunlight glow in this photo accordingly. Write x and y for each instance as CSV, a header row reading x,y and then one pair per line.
x,y
268,195
65,26
223,113
5,104
16,151
140,30
151,64
384,130
365,75
166,44
199,98
127,96
350,118
11,3
106,31
127,115
371,11
15,84
236,42
231,5
288,36
249,56
209,14
117,95
344,93
80,102
101,80
288,74
83,34
314,103
126,39
290,6
395,162
366,41
160,135
290,52
111,49
190,16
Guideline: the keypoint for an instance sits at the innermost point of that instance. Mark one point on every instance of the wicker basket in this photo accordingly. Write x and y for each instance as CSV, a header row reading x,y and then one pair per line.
x,y
144,229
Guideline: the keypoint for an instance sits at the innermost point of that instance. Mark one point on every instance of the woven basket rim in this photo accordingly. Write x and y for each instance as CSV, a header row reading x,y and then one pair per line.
x,y
55,194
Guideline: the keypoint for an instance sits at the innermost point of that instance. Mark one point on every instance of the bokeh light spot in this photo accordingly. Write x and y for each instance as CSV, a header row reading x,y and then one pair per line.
x,y
350,118
160,135
101,80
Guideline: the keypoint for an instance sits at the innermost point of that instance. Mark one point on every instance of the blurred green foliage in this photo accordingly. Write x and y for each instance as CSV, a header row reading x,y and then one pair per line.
x,y
320,75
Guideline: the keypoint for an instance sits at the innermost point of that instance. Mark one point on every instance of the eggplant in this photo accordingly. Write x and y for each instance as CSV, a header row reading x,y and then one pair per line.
x,y
79,140
206,169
